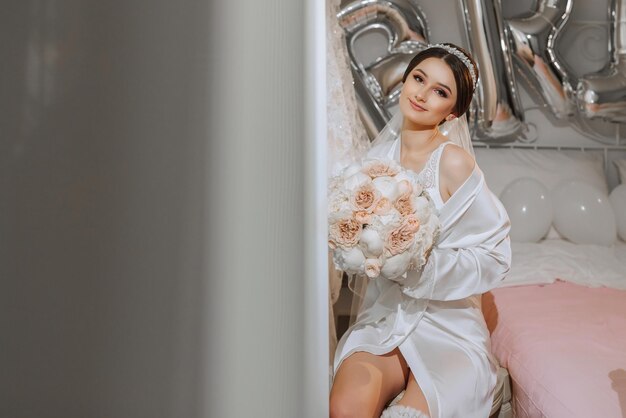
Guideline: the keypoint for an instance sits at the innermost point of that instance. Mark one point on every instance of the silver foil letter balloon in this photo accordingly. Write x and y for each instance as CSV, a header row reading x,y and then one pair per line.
x,y
378,83
534,38
496,112
603,94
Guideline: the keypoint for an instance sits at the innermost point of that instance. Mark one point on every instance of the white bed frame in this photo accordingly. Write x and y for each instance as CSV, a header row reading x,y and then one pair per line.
x,y
610,152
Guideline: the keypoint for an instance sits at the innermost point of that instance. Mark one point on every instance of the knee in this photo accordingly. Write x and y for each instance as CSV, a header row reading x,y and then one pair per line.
x,y
338,410
342,406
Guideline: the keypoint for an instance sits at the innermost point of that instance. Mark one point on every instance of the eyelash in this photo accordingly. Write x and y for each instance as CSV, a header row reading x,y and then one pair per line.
x,y
439,92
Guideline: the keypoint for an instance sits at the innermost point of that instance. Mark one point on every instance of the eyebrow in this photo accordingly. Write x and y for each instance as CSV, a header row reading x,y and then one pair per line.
x,y
441,84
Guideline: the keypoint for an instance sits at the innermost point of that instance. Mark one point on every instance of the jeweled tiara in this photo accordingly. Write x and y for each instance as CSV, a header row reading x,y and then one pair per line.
x,y
460,55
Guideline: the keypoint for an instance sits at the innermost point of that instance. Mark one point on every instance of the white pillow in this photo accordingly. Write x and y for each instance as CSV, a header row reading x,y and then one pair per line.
x,y
553,234
621,169
550,167
583,264
501,166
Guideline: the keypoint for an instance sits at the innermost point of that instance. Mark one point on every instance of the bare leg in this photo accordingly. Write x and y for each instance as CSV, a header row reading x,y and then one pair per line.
x,y
414,397
365,383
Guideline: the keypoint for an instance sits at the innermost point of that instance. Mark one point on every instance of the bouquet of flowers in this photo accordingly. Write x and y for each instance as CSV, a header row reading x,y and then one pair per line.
x,y
381,223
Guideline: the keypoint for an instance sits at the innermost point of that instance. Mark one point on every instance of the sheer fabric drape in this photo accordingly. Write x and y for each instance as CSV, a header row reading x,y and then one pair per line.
x,y
347,139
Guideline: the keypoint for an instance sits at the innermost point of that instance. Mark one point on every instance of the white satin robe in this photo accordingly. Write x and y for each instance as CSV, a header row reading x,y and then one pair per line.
x,y
434,316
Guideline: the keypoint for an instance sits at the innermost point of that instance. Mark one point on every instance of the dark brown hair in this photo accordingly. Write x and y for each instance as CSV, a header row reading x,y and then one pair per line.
x,y
462,76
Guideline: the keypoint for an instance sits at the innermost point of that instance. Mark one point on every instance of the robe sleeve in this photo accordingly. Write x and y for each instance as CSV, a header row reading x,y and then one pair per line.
x,y
472,257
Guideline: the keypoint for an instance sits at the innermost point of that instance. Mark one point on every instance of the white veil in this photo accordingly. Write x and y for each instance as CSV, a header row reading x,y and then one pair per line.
x,y
457,131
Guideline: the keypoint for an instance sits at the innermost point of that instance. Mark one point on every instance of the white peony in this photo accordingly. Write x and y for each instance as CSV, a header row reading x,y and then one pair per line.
x,y
423,207
356,180
403,175
388,187
337,216
371,242
339,207
417,186
350,260
395,266
384,224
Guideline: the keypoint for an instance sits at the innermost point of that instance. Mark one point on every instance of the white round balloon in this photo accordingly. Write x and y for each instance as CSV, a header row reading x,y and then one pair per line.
x,y
583,214
618,201
529,206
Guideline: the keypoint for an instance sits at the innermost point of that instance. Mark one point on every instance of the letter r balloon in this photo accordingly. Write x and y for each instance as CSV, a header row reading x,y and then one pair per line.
x,y
496,112
534,50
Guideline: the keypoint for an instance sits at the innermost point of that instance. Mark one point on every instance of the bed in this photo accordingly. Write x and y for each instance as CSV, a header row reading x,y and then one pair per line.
x,y
562,342
558,320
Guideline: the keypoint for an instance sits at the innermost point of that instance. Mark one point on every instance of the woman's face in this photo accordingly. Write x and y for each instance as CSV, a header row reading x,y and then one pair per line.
x,y
429,93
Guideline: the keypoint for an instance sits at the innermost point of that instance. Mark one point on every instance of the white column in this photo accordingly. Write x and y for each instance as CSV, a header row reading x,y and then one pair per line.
x,y
268,310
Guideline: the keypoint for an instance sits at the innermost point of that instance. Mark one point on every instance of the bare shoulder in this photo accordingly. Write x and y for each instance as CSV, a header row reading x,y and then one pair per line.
x,y
456,165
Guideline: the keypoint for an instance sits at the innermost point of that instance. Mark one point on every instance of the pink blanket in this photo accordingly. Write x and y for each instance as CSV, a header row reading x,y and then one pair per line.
x,y
564,346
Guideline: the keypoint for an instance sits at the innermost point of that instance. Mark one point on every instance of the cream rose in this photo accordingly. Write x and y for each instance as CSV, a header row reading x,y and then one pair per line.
x,y
362,216
411,224
404,205
372,267
365,196
345,233
399,240
377,168
383,206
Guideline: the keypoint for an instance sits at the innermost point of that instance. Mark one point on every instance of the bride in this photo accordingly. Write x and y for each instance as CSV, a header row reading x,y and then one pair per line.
x,y
425,333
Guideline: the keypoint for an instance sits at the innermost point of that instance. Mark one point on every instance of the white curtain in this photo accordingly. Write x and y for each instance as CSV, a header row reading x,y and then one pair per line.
x,y
347,139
